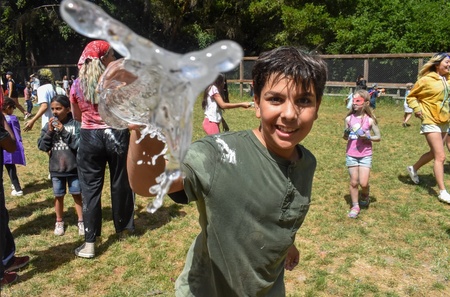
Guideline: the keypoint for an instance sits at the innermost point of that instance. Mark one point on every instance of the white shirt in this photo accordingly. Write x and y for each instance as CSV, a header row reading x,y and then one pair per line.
x,y
212,110
45,93
36,83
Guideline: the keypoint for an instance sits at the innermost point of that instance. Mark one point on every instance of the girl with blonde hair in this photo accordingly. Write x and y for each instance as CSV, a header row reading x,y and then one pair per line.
x,y
359,123
99,145
429,99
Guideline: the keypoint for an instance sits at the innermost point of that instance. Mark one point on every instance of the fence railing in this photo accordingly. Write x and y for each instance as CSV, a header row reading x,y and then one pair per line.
x,y
389,71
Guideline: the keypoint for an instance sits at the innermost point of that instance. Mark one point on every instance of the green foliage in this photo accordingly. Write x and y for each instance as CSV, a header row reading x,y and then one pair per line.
x,y
204,37
32,32
304,26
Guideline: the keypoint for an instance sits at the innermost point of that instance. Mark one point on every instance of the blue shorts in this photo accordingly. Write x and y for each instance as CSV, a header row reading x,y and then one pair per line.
x,y
363,161
59,185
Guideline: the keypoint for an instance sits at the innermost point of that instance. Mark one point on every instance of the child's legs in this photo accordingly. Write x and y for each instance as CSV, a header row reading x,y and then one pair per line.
x,y
74,189
407,116
435,141
354,183
59,208
59,190
364,173
29,105
210,127
12,172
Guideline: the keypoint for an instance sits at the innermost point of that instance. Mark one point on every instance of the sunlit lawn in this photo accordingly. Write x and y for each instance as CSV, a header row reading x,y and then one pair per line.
x,y
397,247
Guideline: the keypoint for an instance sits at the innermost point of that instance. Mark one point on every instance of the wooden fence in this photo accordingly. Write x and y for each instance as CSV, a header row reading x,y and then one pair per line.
x,y
389,71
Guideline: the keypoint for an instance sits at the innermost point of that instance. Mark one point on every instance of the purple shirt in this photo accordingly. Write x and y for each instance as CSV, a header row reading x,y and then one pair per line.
x,y
18,157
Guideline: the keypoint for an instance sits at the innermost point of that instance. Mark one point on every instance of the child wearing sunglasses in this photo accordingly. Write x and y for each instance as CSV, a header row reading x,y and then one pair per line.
x,y
359,124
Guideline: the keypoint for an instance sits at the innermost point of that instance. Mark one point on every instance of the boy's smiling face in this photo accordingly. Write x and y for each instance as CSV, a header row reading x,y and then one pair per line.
x,y
287,114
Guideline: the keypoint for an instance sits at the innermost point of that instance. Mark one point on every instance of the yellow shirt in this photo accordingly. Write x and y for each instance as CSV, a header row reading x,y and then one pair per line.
x,y
427,96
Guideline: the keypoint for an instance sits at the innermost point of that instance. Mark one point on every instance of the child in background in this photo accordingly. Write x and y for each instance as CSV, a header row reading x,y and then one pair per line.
x,y
60,138
27,94
408,110
213,103
358,124
248,231
10,160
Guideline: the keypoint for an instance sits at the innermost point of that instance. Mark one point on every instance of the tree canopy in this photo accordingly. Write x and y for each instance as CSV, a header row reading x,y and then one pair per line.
x,y
33,33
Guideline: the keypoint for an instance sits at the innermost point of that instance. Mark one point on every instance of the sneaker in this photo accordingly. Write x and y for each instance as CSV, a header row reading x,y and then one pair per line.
x,y
354,212
8,278
86,250
16,193
59,228
413,174
444,197
17,263
365,201
13,188
81,228
27,115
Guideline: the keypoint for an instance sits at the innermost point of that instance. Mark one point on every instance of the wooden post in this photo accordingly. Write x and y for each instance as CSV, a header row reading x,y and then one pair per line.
x,y
241,78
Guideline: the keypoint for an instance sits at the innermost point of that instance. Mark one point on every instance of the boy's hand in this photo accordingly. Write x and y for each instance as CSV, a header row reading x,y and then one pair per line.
x,y
28,126
292,258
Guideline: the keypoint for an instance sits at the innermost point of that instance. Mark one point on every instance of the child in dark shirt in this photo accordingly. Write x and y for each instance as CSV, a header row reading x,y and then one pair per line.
x,y
60,138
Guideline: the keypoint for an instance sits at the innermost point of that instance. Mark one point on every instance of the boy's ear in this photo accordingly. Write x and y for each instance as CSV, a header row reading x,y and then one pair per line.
x,y
256,100
317,108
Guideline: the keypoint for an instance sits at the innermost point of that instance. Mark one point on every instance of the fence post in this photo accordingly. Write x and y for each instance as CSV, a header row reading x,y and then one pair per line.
x,y
241,78
366,69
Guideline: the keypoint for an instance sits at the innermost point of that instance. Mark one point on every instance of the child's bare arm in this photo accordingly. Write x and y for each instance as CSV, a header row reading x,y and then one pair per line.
x,y
346,130
141,172
376,132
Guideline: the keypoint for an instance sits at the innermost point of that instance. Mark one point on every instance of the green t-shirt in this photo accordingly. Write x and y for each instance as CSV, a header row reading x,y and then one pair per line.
x,y
251,204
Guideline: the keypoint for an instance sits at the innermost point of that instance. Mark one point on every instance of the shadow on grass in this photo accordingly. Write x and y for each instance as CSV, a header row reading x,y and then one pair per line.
x,y
348,200
36,186
30,208
49,260
427,182
143,222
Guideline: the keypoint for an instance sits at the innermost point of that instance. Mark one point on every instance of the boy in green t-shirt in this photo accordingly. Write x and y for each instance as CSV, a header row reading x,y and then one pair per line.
x,y
252,188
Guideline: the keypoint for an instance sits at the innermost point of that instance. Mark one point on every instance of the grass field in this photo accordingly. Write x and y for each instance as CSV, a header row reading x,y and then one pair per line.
x,y
399,246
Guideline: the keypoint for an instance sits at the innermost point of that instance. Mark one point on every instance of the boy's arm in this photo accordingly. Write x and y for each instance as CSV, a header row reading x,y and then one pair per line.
x,y
141,172
42,109
7,139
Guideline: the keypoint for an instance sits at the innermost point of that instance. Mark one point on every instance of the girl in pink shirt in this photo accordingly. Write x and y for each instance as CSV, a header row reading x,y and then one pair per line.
x,y
359,123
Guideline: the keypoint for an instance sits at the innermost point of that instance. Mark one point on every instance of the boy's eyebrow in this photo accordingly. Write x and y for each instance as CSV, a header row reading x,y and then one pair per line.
x,y
275,93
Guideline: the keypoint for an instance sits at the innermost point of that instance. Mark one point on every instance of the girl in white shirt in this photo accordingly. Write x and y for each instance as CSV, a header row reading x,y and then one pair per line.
x,y
213,104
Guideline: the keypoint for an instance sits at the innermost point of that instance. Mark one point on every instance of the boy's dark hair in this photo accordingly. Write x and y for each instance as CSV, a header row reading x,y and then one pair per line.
x,y
61,99
291,62
219,83
7,102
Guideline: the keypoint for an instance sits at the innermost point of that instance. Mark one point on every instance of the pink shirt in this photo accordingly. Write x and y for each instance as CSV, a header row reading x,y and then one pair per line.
x,y
359,147
90,118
